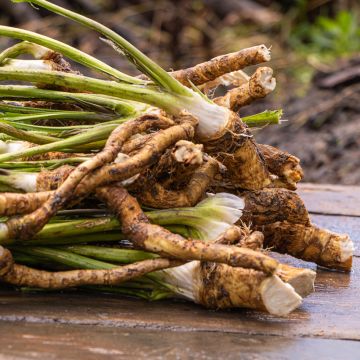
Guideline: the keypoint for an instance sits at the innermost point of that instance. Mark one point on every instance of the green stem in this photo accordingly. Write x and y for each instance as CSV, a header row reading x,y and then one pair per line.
x,y
148,95
41,164
145,64
68,51
30,92
93,134
58,115
267,117
111,254
26,135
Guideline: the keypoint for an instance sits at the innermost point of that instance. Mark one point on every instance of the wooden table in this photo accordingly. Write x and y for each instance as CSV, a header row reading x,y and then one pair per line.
x,y
87,326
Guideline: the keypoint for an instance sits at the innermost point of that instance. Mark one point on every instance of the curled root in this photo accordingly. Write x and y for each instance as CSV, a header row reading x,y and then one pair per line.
x,y
311,243
282,164
20,275
26,226
148,155
259,85
218,66
156,239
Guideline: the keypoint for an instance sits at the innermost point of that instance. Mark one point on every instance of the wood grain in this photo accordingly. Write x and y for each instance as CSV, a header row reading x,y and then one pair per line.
x,y
93,326
56,341
331,199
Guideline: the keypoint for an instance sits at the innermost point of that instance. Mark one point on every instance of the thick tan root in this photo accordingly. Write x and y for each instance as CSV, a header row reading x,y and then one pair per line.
x,y
218,66
310,243
20,275
156,239
48,180
302,280
14,204
221,286
282,164
238,152
271,205
259,85
159,197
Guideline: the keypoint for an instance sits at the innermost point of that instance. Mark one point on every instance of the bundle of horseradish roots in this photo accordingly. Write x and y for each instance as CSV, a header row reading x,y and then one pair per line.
x,y
149,186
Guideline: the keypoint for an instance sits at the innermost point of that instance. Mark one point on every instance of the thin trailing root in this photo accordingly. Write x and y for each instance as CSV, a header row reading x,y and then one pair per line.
x,y
282,164
218,66
259,85
158,196
311,243
20,275
156,239
26,226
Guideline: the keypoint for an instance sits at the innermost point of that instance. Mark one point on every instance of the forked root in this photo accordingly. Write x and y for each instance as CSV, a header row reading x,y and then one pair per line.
x,y
20,275
259,85
156,239
310,243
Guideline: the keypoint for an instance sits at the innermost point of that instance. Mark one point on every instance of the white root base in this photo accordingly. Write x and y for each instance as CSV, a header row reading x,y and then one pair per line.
x,y
278,297
303,284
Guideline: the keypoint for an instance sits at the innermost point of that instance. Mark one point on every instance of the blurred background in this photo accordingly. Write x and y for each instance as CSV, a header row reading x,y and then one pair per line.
x,y
316,59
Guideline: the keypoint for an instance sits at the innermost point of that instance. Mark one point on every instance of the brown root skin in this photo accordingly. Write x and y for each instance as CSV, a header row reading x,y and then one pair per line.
x,y
218,66
148,155
48,180
20,275
259,85
238,152
302,280
222,287
53,155
28,225
14,204
156,239
310,243
271,205
282,164
232,235
157,196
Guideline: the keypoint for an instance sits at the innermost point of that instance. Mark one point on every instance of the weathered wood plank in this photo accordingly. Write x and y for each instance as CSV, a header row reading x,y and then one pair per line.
x,y
331,199
331,312
56,341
